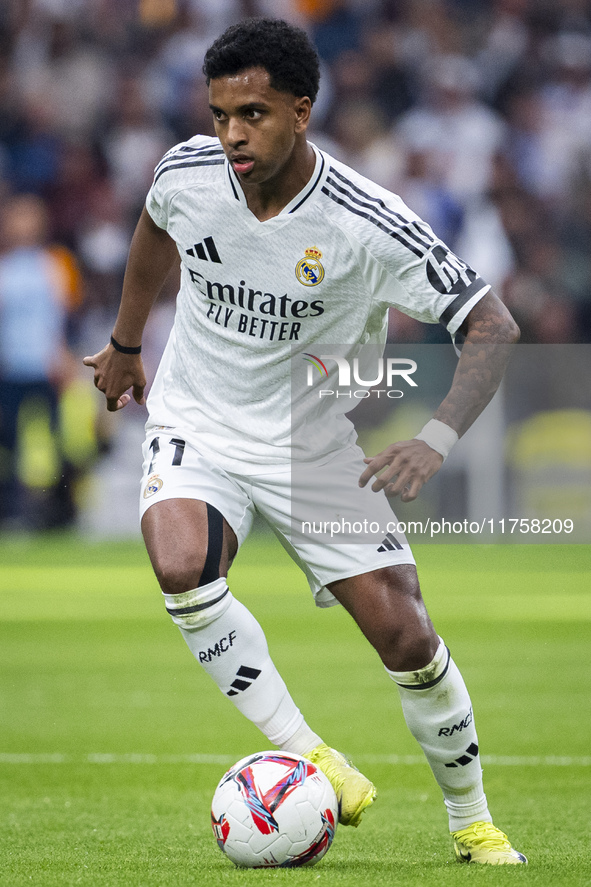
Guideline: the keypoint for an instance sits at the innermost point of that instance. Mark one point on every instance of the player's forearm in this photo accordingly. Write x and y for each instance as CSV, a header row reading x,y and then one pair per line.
x,y
491,333
151,256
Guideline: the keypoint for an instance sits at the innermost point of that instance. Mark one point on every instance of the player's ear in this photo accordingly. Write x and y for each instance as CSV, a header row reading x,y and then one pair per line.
x,y
302,108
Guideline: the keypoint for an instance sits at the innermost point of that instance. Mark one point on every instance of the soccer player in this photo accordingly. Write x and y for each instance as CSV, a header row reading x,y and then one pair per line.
x,y
281,246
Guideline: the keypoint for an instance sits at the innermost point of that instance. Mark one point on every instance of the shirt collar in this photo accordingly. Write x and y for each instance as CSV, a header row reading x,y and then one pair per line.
x,y
307,193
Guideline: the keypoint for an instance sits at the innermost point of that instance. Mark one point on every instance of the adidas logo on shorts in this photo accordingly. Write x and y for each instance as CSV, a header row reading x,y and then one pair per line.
x,y
390,543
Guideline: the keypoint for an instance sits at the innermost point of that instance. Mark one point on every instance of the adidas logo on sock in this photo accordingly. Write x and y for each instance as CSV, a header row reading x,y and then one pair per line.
x,y
243,672
467,758
390,543
198,251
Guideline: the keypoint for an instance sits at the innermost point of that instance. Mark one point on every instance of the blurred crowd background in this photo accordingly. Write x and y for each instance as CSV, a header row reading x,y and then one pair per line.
x,y
478,112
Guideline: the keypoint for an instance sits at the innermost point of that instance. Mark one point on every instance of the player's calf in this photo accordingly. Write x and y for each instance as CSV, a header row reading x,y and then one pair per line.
x,y
230,645
222,634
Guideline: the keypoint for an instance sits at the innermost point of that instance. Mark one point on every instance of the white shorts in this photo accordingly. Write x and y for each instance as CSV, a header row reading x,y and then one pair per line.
x,y
331,528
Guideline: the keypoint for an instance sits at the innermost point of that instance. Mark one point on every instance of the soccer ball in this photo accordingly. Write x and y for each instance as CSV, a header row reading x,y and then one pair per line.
x,y
274,810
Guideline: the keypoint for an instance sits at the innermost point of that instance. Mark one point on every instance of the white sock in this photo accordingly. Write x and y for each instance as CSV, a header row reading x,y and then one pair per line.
x,y
233,651
438,712
302,742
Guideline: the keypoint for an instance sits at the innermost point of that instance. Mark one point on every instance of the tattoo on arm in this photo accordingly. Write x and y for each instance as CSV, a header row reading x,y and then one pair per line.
x,y
490,335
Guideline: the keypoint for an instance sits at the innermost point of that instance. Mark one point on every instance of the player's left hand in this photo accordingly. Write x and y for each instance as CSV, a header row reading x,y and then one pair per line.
x,y
405,467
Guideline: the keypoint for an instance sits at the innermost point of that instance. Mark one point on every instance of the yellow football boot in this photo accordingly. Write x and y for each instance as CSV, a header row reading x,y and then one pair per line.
x,y
482,842
353,790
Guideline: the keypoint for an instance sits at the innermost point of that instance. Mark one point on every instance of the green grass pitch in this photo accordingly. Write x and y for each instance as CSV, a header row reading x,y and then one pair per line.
x,y
113,739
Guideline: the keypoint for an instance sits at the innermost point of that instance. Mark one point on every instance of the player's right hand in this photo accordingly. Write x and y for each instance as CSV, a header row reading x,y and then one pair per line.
x,y
115,373
402,469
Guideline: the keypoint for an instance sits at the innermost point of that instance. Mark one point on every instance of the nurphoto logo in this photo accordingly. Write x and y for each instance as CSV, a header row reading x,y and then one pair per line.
x,y
349,373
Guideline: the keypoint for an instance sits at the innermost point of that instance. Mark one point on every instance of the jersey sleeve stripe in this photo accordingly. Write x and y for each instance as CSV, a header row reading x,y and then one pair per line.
x,y
173,166
183,150
375,221
458,303
178,153
422,237
404,229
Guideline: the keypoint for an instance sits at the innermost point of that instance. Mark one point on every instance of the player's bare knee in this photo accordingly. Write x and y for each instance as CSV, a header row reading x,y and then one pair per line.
x,y
412,651
178,573
194,590
398,625
189,544
406,639
406,644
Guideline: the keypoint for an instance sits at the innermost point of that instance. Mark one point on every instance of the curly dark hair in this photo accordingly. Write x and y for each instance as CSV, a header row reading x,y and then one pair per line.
x,y
283,50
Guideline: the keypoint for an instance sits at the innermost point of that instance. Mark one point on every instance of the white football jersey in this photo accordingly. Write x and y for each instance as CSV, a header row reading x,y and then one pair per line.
x,y
325,270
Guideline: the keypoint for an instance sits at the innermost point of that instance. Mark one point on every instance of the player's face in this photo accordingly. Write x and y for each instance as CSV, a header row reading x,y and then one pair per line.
x,y
257,126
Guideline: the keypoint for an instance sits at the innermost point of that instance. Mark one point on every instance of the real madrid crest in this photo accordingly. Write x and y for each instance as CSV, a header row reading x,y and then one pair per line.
x,y
309,271
153,486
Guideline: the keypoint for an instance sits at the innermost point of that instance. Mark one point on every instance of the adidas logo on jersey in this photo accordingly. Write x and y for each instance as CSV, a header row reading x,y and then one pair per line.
x,y
198,251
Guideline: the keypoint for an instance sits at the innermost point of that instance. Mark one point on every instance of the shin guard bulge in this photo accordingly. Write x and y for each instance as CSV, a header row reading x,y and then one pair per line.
x,y
438,712
229,643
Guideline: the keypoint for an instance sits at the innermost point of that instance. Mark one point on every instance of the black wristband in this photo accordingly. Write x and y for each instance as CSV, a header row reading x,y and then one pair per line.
x,y
123,349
